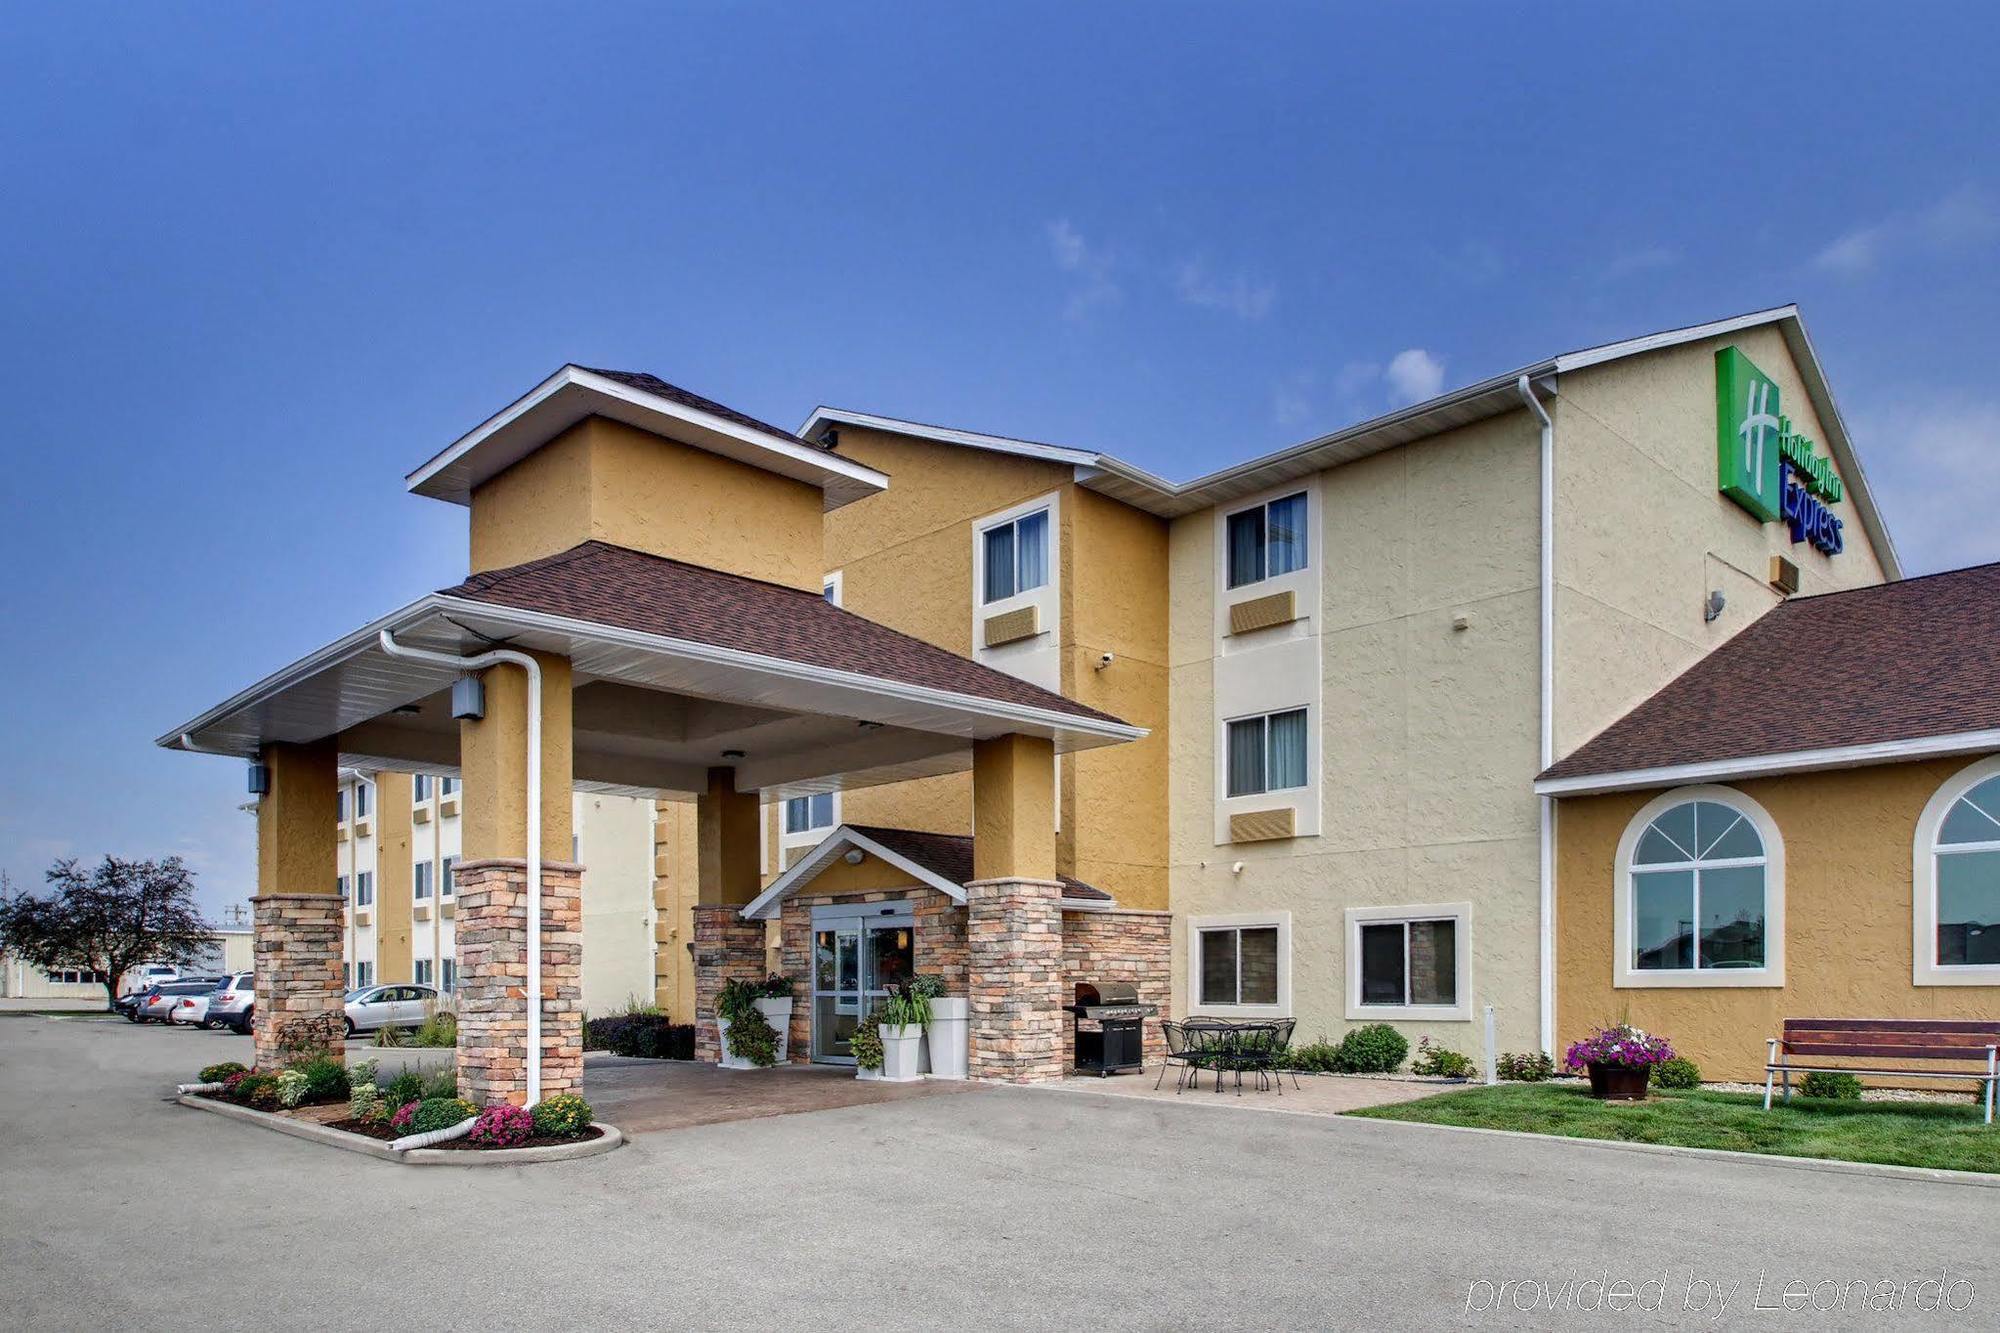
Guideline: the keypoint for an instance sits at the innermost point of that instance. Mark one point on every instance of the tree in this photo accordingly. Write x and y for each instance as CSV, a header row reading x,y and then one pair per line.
x,y
108,920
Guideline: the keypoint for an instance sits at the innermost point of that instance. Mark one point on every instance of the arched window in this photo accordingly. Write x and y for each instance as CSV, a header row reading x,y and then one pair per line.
x,y
1956,881
1700,893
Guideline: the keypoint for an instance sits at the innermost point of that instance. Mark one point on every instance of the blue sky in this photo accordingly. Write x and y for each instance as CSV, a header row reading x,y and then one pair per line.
x,y
260,261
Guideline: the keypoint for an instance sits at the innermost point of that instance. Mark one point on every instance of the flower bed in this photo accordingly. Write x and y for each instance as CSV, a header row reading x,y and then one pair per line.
x,y
368,1129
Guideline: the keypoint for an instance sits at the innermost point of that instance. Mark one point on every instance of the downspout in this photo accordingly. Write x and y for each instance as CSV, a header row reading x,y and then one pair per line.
x,y
496,657
1546,807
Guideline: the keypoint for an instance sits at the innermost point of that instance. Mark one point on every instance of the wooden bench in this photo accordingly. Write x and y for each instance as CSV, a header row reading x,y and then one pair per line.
x,y
1893,1043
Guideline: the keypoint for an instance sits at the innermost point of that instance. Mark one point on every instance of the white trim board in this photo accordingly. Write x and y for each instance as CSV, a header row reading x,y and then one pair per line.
x,y
1772,765
837,843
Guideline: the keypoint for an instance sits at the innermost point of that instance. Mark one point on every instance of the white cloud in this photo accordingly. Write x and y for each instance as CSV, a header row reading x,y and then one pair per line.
x,y
1239,294
1965,217
1929,461
1292,402
1414,375
1090,267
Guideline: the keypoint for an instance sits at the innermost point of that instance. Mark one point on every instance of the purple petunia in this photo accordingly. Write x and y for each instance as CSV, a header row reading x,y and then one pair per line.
x,y
1624,1046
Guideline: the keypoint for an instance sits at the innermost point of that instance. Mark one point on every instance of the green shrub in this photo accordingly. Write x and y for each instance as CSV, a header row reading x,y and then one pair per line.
x,y
217,1073
364,1102
1678,1073
562,1117
866,1043
750,1037
440,1028
291,1087
388,1036
440,1083
325,1079
1526,1067
435,1113
1319,1057
1835,1087
259,1091
407,1086
1440,1062
1374,1049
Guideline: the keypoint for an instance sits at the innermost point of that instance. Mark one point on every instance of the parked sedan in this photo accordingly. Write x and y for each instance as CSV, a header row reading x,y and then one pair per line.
x,y
233,1003
161,1001
403,1005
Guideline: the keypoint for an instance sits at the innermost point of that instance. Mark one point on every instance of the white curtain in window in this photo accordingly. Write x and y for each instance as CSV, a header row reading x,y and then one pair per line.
x,y
1246,757
1287,541
999,562
1288,750
1031,547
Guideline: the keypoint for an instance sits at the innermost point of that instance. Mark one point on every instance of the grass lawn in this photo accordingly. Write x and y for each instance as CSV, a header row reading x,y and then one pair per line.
x,y
1929,1134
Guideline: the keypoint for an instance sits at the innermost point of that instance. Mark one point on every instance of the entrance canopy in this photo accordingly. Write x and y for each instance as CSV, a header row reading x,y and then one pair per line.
x,y
677,669
941,861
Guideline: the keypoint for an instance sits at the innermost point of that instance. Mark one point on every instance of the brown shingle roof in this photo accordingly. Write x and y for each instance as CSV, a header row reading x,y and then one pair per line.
x,y
613,585
949,856
659,388
1894,662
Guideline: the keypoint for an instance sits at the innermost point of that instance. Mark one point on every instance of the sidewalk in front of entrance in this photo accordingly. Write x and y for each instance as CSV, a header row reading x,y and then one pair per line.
x,y
1315,1094
647,1096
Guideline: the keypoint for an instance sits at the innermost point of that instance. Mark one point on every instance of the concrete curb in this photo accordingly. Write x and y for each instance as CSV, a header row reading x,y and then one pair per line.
x,y
1828,1165
335,1138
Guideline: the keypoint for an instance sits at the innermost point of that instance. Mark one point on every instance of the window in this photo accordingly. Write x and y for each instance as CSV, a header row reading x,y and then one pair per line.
x,y
423,966
347,975
1956,881
1241,963
1409,962
1016,556
340,886
448,971
364,888
420,788
803,814
340,806
361,790
448,880
364,975
75,976
830,590
421,887
447,786
1267,540
1699,903
1267,753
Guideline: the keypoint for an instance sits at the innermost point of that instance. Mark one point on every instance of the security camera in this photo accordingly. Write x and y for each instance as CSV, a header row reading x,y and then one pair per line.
x,y
1105,659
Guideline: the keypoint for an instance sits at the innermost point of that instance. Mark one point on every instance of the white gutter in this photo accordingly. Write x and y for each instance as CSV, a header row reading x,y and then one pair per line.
x,y
1546,803
496,657
1985,741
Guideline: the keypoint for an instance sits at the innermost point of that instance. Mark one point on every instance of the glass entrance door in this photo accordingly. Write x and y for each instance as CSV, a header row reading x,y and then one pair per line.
x,y
858,953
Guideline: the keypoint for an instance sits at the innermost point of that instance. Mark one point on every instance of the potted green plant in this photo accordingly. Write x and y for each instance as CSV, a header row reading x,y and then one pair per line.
x,y
1619,1061
748,1039
902,1018
865,1043
776,1005
945,1033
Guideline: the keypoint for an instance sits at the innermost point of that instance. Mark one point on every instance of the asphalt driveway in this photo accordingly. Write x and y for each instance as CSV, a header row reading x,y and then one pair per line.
x,y
1012,1208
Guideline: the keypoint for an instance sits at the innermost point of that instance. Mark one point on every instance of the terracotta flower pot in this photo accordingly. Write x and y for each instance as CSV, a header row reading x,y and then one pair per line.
x,y
1618,1083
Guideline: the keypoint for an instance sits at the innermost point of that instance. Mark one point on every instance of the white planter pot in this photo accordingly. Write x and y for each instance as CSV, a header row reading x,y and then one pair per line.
x,y
902,1049
778,1013
945,1038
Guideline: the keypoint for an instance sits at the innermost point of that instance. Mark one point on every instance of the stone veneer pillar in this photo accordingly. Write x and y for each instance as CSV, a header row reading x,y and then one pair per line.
x,y
297,952
492,947
726,947
1014,960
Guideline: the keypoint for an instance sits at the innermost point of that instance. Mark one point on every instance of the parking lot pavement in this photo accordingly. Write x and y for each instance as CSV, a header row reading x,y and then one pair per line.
x,y
1014,1208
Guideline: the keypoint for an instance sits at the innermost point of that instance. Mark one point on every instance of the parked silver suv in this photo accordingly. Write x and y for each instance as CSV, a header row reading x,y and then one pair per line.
x,y
234,1003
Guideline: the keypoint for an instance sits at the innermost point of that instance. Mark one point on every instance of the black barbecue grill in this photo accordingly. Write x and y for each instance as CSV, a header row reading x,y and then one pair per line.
x,y
1118,1042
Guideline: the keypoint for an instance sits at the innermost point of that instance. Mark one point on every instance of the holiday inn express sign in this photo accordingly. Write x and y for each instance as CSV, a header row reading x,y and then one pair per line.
x,y
1766,466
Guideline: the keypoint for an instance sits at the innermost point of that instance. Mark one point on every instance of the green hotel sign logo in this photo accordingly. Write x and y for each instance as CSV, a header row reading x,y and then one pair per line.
x,y
1763,464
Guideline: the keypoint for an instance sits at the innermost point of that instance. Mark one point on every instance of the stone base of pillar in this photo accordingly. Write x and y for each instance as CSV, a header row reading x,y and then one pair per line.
x,y
1014,961
300,1011
726,948
492,992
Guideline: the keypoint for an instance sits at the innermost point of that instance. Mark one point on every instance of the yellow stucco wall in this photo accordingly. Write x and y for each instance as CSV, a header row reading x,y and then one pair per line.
x,y
1848,839
297,848
1643,536
493,760
1013,800
1427,733
393,861
611,482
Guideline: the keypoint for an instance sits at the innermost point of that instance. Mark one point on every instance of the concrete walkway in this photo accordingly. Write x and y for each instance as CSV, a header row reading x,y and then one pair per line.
x,y
958,1212
1311,1094
648,1096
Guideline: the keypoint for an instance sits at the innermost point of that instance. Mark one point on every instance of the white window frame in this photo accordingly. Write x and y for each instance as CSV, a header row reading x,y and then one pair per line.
x,y
831,589
1265,717
364,973
1624,975
1264,506
1241,921
447,876
422,881
364,888
789,842
1925,970
422,968
448,975
1011,519
420,791
1460,914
